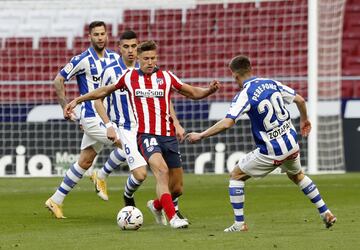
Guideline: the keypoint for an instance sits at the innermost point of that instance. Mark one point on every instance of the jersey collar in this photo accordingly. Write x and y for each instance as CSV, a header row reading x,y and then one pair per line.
x,y
93,53
247,81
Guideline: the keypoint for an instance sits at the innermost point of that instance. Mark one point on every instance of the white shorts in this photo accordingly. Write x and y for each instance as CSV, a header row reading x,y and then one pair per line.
x,y
128,139
95,134
258,165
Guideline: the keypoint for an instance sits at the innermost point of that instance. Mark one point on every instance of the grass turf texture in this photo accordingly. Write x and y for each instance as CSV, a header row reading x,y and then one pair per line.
x,y
278,214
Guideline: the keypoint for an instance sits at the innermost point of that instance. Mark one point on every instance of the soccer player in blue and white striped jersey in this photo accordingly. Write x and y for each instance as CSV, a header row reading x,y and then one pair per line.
x,y
87,68
117,109
263,100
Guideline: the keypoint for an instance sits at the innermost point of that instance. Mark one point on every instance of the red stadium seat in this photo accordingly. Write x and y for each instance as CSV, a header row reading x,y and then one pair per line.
x,y
347,90
19,42
52,42
356,90
137,20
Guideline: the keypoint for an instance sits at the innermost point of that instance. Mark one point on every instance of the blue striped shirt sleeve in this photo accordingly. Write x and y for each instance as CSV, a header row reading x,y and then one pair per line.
x,y
239,106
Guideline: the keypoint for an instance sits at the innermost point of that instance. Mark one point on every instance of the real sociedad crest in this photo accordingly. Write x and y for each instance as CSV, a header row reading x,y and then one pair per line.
x,y
159,81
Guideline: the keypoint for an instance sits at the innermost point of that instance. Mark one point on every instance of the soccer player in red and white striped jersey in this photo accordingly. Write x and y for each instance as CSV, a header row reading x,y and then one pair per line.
x,y
150,93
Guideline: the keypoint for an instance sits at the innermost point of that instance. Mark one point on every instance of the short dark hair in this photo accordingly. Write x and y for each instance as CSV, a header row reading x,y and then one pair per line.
x,y
127,35
146,46
96,24
240,64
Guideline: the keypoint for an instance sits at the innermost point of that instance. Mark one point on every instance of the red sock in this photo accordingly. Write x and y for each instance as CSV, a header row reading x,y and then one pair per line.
x,y
157,204
168,205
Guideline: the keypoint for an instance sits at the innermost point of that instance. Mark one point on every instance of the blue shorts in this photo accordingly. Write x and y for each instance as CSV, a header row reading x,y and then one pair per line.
x,y
168,146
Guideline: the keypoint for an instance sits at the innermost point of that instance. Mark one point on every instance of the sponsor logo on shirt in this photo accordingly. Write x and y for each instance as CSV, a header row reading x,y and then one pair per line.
x,y
149,93
279,131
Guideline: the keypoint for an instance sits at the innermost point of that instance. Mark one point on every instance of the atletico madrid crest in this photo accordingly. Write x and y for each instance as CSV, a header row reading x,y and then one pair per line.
x,y
159,81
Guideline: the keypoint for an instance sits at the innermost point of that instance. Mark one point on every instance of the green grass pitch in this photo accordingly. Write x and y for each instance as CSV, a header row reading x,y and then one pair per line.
x,y
278,214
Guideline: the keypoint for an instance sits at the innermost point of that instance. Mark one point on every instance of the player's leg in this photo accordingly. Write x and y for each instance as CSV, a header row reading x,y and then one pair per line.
x,y
172,157
237,199
98,177
150,149
308,187
253,164
176,187
95,129
133,182
116,158
136,163
72,176
161,173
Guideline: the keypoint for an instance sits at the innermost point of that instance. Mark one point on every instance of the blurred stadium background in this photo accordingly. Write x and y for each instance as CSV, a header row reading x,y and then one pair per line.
x,y
197,38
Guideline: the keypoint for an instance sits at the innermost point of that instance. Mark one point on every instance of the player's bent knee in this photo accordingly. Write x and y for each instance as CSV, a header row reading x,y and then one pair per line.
x,y
140,173
296,178
237,174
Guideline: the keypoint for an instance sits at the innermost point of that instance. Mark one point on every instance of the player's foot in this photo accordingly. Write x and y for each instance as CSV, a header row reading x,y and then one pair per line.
x,y
129,201
158,214
176,222
100,186
56,209
181,216
329,219
237,227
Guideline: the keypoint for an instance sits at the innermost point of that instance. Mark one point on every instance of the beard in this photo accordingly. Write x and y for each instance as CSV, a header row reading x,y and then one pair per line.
x,y
99,48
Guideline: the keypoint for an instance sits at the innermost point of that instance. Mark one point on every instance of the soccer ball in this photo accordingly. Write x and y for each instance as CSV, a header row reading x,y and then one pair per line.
x,y
130,218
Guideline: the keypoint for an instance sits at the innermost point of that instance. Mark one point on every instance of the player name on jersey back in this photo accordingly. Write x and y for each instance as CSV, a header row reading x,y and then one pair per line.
x,y
149,93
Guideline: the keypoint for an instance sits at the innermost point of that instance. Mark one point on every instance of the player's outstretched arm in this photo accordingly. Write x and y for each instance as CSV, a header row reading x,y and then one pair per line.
x,y
217,128
305,125
197,93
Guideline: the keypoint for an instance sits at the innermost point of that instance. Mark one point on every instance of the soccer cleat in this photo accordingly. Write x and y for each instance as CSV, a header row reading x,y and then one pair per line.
x,y
129,201
237,227
329,219
176,222
100,186
158,214
56,209
181,216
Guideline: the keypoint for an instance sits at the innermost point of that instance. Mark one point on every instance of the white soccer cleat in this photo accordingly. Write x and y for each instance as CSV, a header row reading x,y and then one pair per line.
x,y
100,186
176,222
237,227
328,218
158,214
55,209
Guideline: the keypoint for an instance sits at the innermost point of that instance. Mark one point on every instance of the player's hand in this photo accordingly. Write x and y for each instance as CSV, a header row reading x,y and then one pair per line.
x,y
111,134
214,86
69,113
193,137
305,127
180,133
